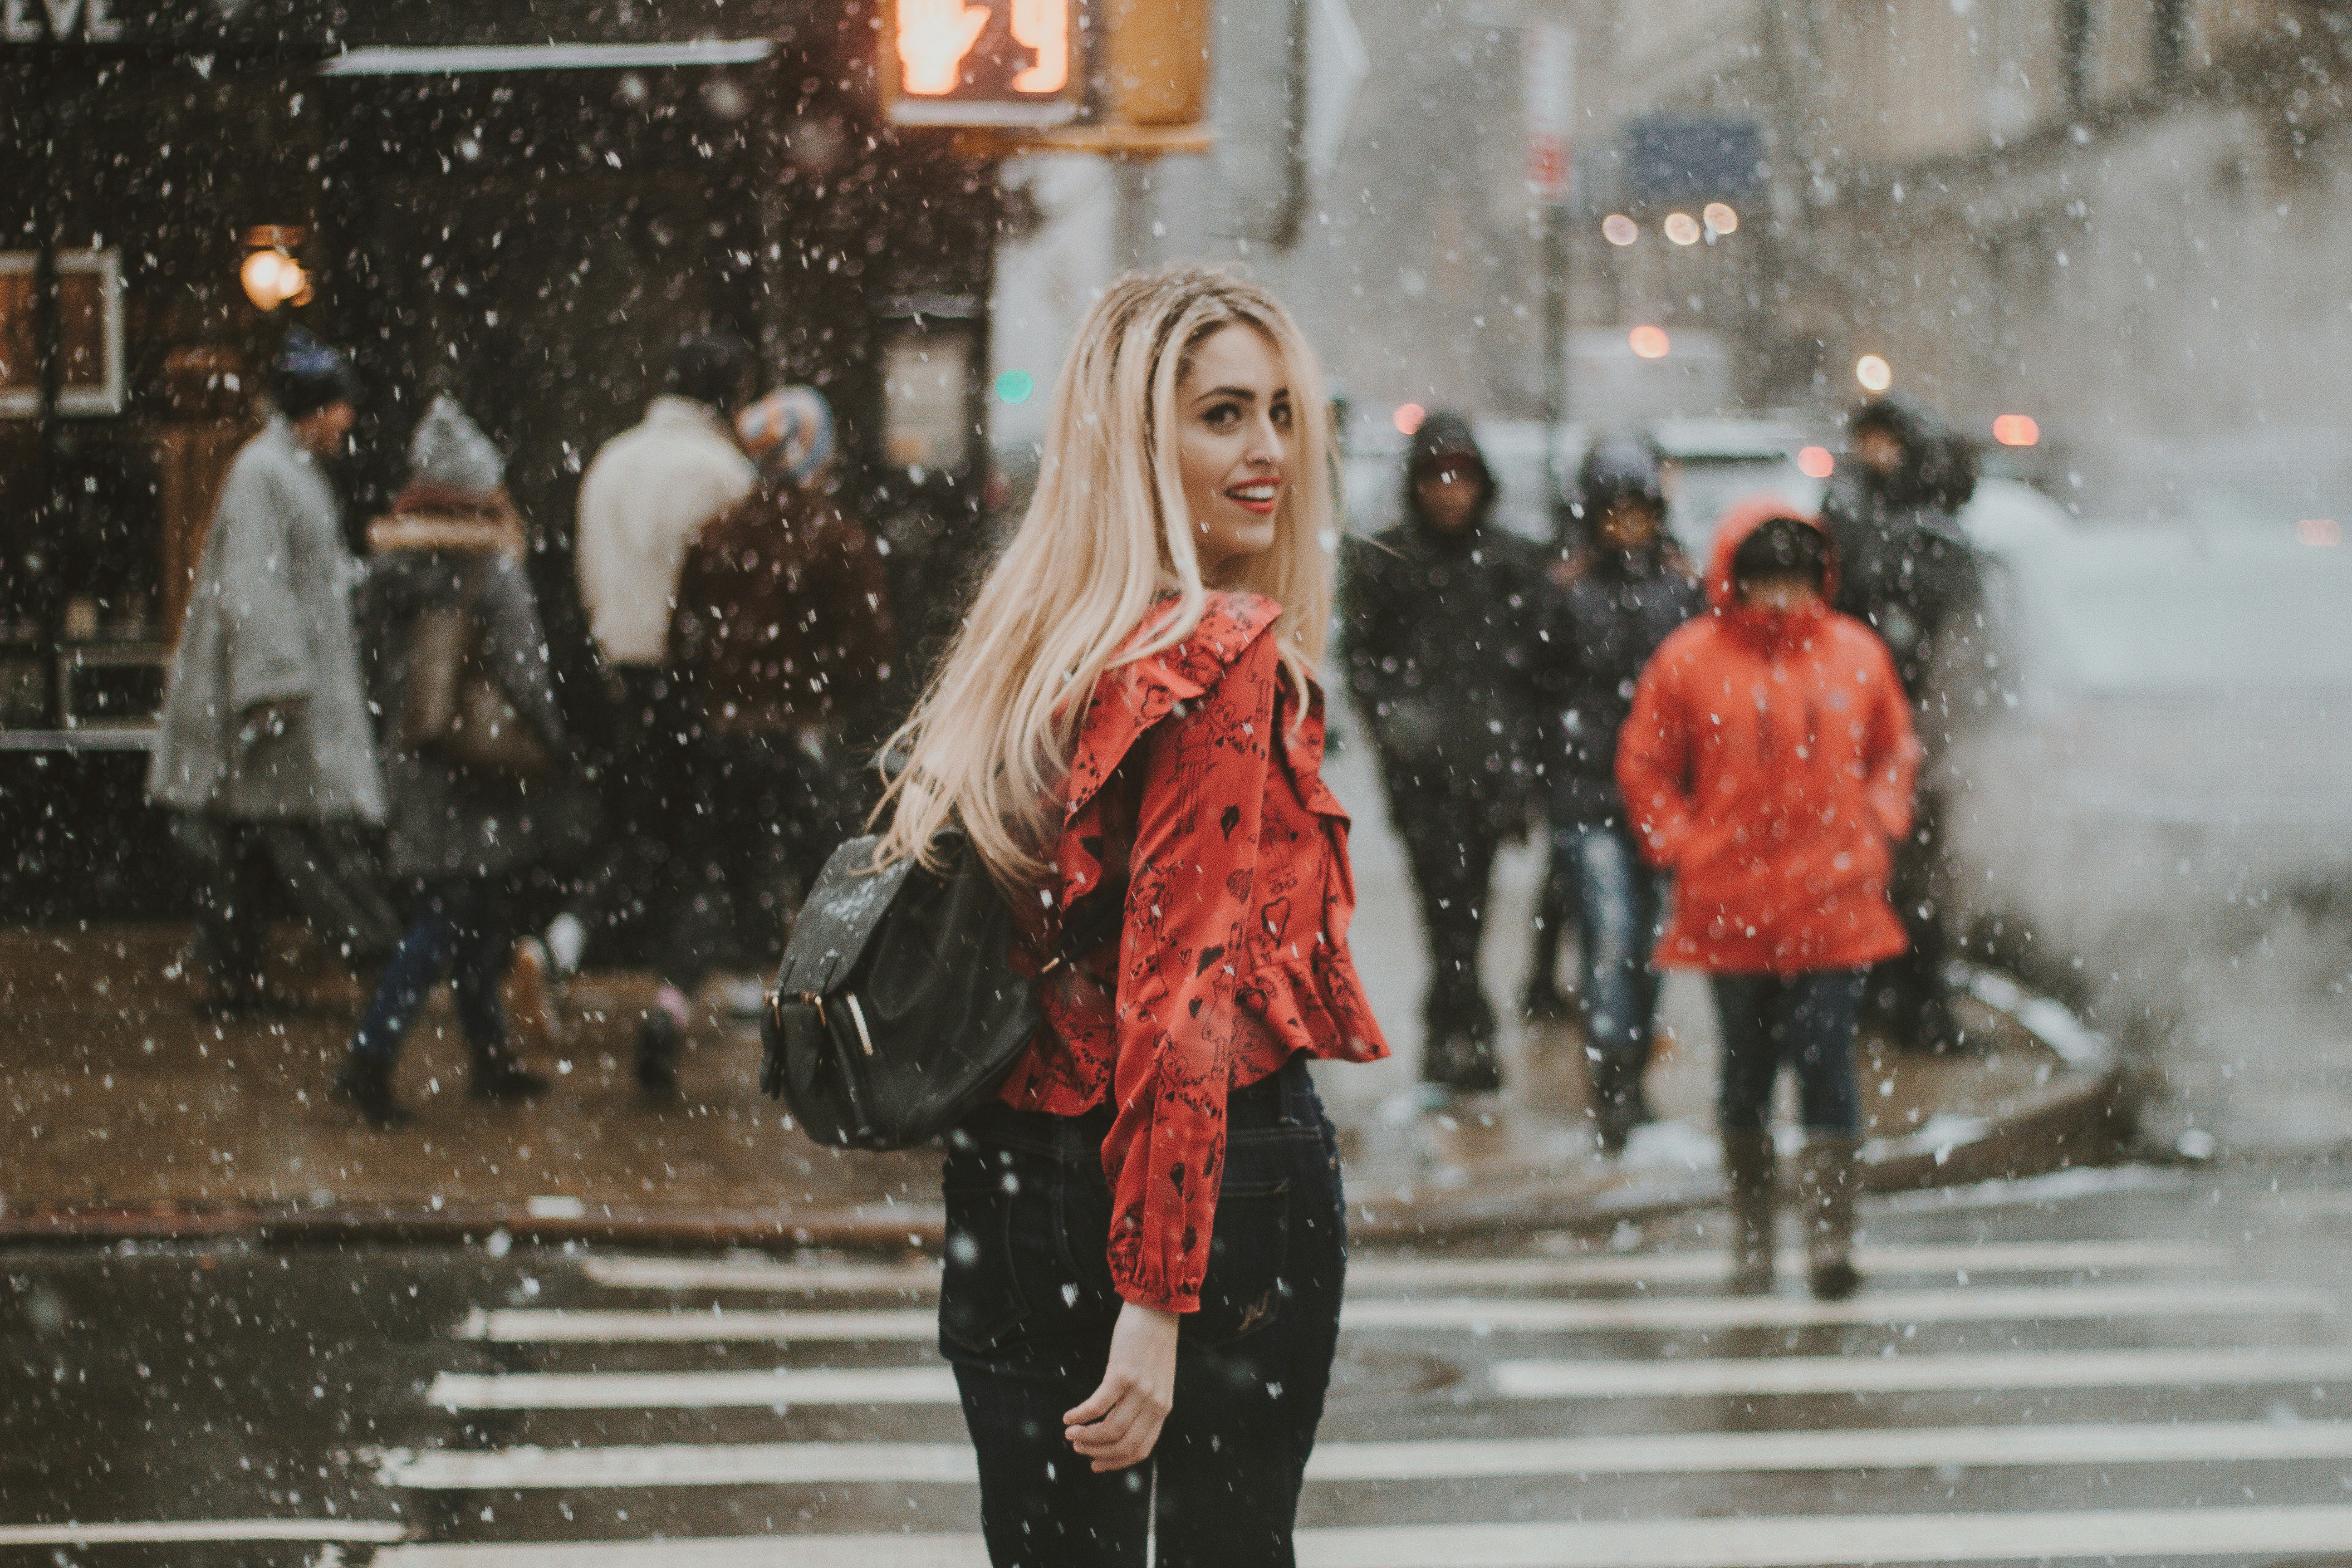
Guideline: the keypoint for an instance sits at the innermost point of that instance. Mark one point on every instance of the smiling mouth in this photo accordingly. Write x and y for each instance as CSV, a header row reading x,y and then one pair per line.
x,y
1259,495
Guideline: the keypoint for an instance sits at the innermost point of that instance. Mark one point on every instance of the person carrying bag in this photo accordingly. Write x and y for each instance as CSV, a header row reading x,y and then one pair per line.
x,y
458,665
1146,1242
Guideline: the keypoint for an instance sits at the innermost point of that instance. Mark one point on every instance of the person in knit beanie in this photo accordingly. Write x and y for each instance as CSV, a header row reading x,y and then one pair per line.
x,y
265,753
457,831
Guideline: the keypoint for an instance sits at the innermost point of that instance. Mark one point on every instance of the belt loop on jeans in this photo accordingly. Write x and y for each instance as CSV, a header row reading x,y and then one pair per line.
x,y
1297,1092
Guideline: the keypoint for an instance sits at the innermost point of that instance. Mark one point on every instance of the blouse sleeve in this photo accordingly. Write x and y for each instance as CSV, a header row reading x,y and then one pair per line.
x,y
1193,866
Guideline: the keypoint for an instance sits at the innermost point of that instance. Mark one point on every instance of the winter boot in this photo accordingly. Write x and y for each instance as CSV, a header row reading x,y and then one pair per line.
x,y
659,1039
1748,1166
366,1084
1542,1000
1462,1061
496,1076
1827,1180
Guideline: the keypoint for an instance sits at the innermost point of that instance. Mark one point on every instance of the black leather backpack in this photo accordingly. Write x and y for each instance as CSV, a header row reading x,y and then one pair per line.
x,y
897,1010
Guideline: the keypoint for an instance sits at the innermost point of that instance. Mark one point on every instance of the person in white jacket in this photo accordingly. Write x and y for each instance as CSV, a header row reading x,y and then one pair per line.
x,y
645,495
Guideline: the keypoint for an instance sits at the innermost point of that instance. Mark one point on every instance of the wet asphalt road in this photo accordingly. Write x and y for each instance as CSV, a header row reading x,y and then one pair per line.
x,y
2032,1372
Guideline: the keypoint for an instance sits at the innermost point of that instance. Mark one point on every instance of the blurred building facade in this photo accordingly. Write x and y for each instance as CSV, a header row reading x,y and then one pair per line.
x,y
2125,217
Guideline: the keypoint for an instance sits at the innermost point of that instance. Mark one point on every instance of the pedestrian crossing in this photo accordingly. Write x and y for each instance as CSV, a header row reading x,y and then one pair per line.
x,y
1984,1401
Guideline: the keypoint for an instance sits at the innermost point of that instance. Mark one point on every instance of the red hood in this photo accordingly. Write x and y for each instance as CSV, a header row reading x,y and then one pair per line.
x,y
1743,518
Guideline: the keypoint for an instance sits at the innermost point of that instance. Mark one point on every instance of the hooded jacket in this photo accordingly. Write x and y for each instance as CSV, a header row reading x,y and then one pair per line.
x,y
1908,570
1769,762
430,555
1605,613
1438,632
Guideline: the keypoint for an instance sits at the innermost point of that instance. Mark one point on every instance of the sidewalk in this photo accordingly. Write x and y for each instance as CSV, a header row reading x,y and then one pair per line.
x,y
123,1115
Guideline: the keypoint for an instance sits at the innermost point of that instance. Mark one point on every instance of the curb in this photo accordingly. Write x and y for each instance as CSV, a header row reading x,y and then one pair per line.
x,y
2082,1116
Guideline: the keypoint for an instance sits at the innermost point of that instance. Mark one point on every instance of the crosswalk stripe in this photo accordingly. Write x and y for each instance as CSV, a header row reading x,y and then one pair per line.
x,y
1769,1542
782,1387
691,1274
1949,1306
1879,1448
1711,1267
1904,1373
556,1326
186,1531
511,1325
1459,1273
693,1390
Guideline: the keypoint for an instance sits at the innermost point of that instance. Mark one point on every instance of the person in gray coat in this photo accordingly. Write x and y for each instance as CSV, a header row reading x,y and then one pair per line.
x,y
265,750
458,832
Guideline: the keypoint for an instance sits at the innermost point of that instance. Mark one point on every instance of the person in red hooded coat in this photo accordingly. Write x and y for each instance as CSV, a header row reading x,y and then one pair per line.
x,y
1768,764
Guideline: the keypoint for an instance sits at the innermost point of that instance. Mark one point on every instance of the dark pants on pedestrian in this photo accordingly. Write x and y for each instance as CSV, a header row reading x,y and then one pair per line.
x,y
772,809
654,834
1026,1313
1908,997
328,871
1450,842
459,927
1620,904
1805,1020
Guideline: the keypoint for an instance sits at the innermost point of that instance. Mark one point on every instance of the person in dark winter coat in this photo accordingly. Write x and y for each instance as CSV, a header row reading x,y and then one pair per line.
x,y
456,834
1609,606
265,747
1909,573
780,644
1439,622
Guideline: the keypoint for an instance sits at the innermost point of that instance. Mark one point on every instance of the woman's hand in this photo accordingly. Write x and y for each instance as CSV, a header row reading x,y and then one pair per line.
x,y
1120,1422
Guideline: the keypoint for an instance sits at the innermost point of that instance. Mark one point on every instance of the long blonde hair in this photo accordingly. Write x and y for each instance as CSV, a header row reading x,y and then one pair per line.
x,y
1106,537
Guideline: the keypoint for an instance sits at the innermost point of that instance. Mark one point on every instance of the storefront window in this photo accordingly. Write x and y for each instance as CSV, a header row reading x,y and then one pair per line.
x,y
89,332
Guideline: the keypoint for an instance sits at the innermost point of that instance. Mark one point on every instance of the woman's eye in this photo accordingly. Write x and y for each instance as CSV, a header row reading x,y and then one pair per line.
x,y
1224,417
1281,415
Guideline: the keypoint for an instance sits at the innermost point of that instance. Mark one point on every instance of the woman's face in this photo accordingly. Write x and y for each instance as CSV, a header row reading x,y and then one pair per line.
x,y
1233,433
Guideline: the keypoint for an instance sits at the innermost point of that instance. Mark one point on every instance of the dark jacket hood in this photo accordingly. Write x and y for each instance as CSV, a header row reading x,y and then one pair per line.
x,y
1446,435
1940,465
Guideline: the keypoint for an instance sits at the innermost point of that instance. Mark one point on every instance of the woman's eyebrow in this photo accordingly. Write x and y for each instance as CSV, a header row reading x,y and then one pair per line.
x,y
1242,393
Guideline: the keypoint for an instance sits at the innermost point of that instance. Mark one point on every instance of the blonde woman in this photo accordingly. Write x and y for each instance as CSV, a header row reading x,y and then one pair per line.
x,y
1145,1231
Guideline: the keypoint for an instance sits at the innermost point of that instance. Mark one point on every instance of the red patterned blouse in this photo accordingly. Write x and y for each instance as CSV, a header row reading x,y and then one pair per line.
x,y
1233,951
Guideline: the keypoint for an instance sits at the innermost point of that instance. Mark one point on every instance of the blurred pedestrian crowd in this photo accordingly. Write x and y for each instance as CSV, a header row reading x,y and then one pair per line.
x,y
1721,766
378,743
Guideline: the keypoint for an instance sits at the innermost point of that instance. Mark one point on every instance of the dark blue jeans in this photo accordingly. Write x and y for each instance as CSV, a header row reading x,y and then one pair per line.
x,y
1806,1020
1026,1310
1620,906
459,927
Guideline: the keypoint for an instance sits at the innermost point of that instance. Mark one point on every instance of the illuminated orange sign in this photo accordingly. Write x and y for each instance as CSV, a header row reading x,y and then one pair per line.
x,y
983,62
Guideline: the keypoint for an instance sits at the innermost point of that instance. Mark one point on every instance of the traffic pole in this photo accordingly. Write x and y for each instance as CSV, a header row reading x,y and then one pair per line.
x,y
1549,104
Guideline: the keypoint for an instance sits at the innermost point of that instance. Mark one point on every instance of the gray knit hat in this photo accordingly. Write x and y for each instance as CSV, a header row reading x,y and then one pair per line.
x,y
450,451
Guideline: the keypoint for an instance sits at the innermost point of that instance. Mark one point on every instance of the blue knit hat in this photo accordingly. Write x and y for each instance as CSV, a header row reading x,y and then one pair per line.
x,y
308,376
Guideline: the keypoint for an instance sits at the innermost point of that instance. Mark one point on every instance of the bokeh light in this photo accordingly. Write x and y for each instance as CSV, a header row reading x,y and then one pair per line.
x,y
1815,463
1720,217
1682,229
261,275
2017,430
1016,386
1649,342
1874,374
1409,416
1619,229
2319,531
